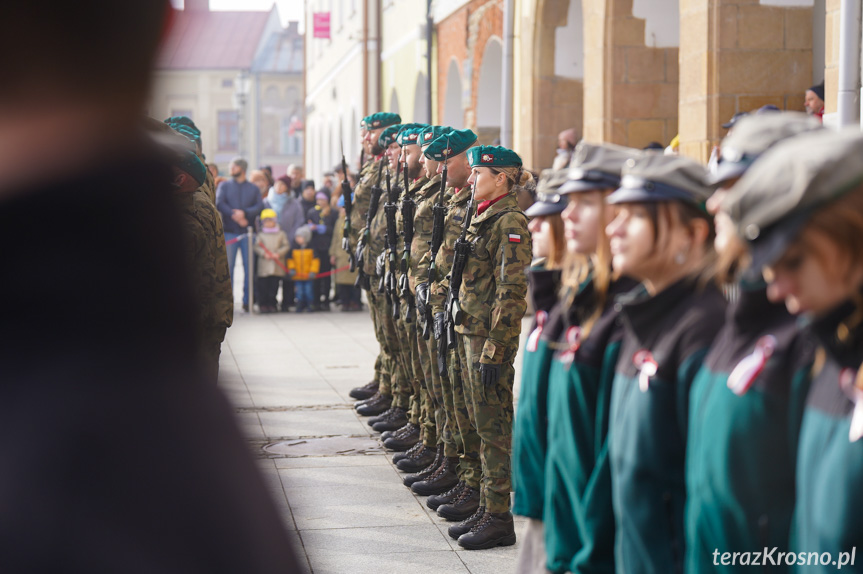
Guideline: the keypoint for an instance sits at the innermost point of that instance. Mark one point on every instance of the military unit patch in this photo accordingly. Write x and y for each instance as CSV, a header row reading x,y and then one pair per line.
x,y
487,158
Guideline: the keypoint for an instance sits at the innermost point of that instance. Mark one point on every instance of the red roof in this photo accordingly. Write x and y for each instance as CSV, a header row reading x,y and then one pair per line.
x,y
212,40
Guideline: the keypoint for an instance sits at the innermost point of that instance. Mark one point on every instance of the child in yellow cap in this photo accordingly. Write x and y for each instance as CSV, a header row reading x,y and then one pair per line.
x,y
272,248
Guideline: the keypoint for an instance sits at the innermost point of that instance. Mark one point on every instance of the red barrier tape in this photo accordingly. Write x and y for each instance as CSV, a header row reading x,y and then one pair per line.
x,y
232,241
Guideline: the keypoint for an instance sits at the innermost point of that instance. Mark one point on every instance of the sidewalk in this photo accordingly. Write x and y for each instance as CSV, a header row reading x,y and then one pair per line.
x,y
288,376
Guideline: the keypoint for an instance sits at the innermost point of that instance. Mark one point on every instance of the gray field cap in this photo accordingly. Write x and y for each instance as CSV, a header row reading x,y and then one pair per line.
x,y
596,166
755,134
656,177
772,202
549,200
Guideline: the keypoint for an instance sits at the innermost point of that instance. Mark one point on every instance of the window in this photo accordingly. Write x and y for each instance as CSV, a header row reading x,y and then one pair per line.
x,y
228,83
229,130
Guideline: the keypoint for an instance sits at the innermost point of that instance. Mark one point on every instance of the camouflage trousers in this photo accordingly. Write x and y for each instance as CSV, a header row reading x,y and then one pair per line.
x,y
435,391
418,401
393,375
466,438
491,411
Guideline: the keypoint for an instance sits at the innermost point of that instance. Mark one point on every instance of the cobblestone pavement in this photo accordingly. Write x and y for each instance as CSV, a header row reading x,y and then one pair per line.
x,y
288,375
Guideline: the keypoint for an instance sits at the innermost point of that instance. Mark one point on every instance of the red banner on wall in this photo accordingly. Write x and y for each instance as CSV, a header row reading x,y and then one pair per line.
x,y
321,25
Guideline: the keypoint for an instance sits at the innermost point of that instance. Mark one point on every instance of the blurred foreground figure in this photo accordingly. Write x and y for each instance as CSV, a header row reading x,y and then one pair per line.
x,y
115,454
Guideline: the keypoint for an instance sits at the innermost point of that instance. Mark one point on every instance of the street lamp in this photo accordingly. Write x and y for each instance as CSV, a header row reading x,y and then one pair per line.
x,y
242,87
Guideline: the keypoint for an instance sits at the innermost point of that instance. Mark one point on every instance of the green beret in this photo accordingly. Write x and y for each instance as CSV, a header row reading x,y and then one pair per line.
x,y
492,156
382,120
188,162
755,134
388,136
431,133
175,121
409,134
450,144
775,198
655,178
192,135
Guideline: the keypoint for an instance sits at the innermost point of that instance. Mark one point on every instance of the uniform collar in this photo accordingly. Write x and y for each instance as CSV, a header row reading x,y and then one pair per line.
x,y
841,340
644,313
753,310
503,203
483,205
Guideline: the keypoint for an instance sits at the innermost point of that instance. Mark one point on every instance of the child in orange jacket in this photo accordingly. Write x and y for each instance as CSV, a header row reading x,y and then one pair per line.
x,y
303,266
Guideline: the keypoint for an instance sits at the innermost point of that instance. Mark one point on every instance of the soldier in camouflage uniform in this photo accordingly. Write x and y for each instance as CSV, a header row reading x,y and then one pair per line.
x,y
206,258
397,418
493,302
185,126
426,451
463,500
390,374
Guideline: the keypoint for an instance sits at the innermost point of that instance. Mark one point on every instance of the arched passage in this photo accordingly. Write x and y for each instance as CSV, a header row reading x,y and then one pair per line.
x,y
488,105
453,113
421,109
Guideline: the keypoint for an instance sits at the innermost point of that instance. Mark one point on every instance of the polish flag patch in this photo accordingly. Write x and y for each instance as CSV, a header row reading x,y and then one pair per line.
x,y
487,158
514,238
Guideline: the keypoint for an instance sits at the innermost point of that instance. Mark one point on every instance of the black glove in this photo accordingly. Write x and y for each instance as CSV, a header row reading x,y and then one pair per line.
x,y
422,298
489,374
438,325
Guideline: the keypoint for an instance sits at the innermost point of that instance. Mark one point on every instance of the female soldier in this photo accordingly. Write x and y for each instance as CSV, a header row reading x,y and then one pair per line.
x,y
800,208
747,400
578,515
493,302
661,236
528,441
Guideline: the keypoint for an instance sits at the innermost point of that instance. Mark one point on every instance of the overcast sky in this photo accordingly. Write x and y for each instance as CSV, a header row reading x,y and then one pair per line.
x,y
288,9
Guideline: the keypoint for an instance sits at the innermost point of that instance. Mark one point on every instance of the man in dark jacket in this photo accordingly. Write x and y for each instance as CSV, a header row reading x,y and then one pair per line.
x,y
116,455
240,202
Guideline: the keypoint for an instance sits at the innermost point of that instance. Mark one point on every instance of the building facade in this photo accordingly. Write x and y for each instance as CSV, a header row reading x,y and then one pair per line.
x,y
343,81
239,76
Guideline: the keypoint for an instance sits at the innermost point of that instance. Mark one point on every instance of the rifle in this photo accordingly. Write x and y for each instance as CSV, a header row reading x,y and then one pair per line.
x,y
409,209
439,211
362,278
390,248
349,206
462,252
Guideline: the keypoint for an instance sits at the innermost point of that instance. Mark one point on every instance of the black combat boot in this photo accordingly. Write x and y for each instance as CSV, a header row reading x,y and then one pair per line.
x,y
396,419
436,500
398,433
427,471
375,405
412,451
493,529
442,480
462,507
463,527
418,460
405,441
381,416
364,392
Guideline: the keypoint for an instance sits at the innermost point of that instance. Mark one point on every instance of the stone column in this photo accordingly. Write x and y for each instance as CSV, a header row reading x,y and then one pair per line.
x,y
738,55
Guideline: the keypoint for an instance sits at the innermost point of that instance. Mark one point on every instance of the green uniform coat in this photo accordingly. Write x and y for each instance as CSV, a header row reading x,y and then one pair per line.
x,y
671,331
741,448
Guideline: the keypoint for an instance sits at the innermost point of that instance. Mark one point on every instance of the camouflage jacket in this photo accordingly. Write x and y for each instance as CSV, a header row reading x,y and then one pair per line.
x,y
423,227
494,285
416,188
362,197
456,209
207,259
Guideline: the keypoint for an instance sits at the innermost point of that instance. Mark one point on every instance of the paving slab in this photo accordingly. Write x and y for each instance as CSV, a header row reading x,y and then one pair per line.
x,y
439,562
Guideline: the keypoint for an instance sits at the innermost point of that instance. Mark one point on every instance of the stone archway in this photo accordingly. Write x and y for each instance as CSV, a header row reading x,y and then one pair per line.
x,y
488,101
553,67
453,113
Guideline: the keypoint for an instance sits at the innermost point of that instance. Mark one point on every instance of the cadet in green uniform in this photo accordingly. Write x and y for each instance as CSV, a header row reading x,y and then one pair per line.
x,y
800,210
661,236
493,302
575,503
746,403
449,150
531,420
